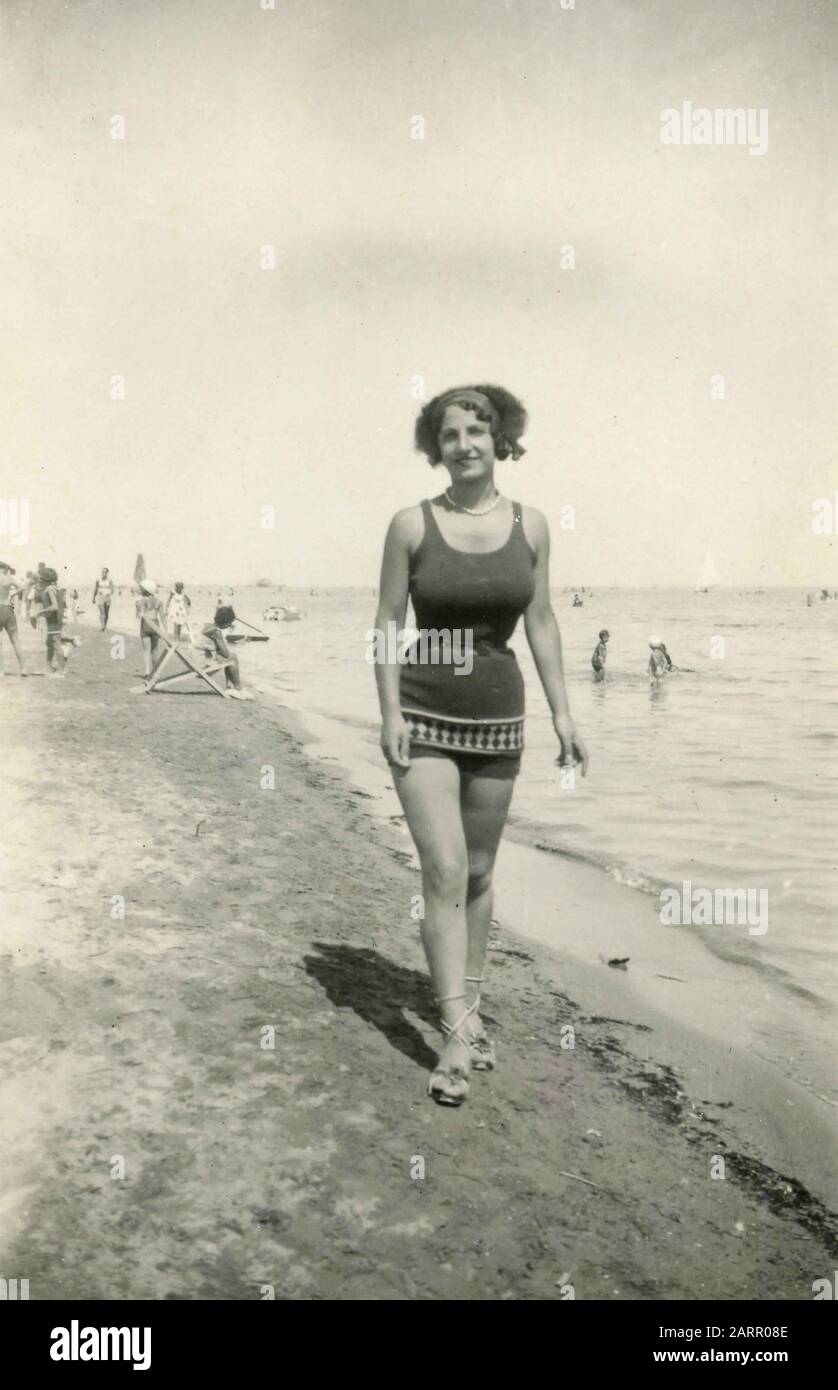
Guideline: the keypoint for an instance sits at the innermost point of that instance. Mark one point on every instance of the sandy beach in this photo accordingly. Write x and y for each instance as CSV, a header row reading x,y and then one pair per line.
x,y
214,1002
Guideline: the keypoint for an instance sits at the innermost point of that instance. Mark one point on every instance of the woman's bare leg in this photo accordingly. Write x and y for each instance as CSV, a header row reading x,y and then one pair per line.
x,y
485,806
18,650
429,791
233,673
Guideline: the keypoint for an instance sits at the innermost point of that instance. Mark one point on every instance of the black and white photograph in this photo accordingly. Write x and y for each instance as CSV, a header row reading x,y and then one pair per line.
x,y
419,641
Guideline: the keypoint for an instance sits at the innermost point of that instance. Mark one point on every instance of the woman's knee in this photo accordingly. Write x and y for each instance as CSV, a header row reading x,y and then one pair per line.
x,y
445,874
480,869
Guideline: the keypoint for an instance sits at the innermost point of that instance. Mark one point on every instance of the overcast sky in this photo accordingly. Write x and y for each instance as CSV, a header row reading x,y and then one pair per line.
x,y
398,258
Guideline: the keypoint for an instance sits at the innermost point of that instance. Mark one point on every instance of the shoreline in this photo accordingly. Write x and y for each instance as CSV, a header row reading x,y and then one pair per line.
x,y
291,1166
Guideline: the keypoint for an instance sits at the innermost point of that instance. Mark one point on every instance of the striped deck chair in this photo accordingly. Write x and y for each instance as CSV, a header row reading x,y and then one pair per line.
x,y
192,663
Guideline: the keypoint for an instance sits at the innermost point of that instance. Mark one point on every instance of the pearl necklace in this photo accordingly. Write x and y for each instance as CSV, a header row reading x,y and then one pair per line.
x,y
472,511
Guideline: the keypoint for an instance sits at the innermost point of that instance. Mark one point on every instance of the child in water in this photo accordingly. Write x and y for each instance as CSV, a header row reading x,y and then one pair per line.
x,y
660,662
600,654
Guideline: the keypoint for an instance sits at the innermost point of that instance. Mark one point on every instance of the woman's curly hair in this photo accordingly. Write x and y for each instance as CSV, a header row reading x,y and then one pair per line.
x,y
508,421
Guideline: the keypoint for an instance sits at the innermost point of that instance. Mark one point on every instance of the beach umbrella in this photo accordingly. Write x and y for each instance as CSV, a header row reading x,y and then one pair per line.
x,y
139,570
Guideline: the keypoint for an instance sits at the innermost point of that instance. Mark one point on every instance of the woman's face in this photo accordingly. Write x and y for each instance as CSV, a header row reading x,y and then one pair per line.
x,y
466,445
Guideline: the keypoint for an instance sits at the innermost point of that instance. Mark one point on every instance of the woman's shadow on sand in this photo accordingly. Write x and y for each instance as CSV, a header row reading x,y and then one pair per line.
x,y
378,990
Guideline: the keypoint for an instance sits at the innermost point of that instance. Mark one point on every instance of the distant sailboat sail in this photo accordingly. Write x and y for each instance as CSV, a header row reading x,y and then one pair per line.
x,y
709,574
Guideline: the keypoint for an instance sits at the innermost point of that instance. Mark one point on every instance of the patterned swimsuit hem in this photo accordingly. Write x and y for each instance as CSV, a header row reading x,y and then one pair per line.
x,y
500,736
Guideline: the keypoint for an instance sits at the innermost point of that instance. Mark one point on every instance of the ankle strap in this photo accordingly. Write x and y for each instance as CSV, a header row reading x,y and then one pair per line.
x,y
446,998
474,979
452,1030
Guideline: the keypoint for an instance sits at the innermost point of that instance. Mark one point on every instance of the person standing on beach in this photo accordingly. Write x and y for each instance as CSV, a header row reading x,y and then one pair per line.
x,y
51,611
149,607
178,605
9,589
472,562
600,654
103,592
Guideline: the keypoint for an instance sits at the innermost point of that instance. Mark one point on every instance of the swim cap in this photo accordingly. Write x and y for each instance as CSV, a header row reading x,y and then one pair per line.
x,y
655,642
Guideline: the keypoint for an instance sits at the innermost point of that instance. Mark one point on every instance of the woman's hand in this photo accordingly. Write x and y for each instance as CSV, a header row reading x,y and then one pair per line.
x,y
395,740
572,745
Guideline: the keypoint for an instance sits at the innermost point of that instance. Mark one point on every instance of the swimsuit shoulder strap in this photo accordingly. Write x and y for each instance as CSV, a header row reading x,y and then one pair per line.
x,y
432,532
518,529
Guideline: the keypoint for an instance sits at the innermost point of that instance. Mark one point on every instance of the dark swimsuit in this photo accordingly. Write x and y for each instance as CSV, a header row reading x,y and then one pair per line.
x,y
475,718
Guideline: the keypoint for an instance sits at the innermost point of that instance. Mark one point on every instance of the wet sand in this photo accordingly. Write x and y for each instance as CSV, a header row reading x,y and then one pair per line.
x,y
137,1045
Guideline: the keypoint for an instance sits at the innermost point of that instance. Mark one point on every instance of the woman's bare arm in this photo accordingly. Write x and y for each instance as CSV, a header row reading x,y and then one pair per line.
x,y
401,539
545,642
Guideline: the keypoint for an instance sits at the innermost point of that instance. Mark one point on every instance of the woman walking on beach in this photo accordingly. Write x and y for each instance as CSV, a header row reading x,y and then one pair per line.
x,y
472,563
149,607
103,592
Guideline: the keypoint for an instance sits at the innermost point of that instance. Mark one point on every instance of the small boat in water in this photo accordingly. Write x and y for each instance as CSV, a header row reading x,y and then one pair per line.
x,y
281,613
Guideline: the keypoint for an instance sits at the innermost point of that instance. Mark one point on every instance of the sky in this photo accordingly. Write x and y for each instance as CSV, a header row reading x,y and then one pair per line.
x,y
406,265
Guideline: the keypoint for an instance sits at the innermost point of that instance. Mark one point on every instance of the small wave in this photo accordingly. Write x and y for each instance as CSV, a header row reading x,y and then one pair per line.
x,y
626,874
633,878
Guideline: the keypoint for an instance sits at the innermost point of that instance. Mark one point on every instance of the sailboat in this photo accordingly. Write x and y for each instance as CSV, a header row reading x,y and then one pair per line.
x,y
709,575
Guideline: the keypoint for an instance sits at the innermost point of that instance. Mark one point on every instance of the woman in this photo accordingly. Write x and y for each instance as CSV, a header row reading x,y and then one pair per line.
x,y
103,592
177,610
215,631
472,562
149,608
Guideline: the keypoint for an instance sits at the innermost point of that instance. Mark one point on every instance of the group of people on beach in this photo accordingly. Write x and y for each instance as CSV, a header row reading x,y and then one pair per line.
x,y
40,599
155,619
660,662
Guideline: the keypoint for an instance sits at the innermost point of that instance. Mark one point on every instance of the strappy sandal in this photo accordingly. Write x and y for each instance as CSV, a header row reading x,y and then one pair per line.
x,y
448,1083
482,1048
